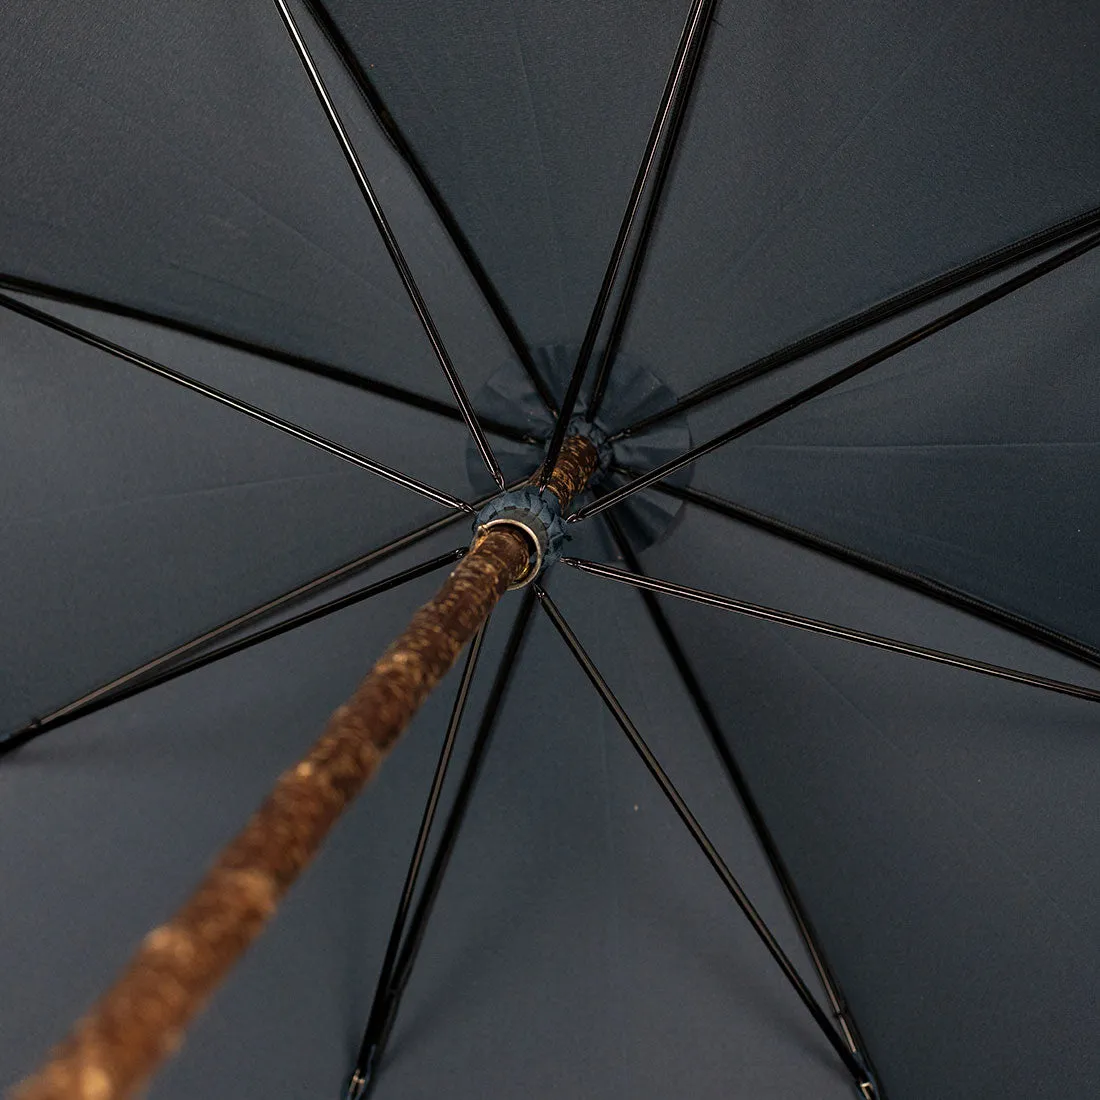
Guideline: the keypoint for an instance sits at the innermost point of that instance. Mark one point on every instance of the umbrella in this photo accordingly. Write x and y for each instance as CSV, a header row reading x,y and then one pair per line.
x,y
293,291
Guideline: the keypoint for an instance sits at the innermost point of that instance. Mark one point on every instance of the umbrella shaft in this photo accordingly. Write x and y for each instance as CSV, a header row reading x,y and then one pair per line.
x,y
140,1021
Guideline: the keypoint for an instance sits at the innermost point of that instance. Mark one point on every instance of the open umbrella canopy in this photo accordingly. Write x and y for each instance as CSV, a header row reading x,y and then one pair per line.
x,y
842,372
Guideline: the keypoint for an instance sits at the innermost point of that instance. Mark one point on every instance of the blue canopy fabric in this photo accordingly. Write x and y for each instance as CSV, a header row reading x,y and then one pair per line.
x,y
843,176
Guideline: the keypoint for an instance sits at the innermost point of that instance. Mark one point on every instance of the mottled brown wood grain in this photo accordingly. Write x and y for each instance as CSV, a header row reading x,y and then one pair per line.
x,y
115,1048
576,464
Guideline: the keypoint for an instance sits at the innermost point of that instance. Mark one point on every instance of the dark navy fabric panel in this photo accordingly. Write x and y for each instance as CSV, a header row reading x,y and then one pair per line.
x,y
832,158
531,119
940,826
176,160
837,156
581,944
137,515
973,458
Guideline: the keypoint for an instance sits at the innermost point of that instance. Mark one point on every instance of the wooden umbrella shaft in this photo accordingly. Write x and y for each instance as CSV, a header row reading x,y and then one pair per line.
x,y
114,1049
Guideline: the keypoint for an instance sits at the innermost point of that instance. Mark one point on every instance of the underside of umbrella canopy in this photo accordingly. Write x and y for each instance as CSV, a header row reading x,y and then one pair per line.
x,y
864,237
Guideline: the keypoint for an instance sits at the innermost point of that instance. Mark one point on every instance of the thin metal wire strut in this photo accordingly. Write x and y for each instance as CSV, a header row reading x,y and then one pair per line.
x,y
936,590
388,995
675,88
851,1062
313,587
355,379
140,1020
832,630
649,218
845,374
390,241
203,390
162,675
382,993
465,249
724,751
955,279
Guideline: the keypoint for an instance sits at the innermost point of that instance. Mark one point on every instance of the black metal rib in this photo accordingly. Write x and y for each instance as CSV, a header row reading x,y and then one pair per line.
x,y
846,374
832,630
929,291
674,87
724,752
649,219
916,582
311,587
173,672
446,216
366,189
374,386
375,1040
188,383
379,1006
688,818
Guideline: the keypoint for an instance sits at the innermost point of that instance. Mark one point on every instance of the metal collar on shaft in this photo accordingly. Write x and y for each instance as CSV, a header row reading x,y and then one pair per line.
x,y
539,516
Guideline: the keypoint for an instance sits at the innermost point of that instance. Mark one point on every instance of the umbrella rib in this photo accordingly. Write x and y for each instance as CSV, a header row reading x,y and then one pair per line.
x,y
916,582
675,87
464,248
366,189
649,219
833,630
851,1062
845,374
382,1018
229,649
195,386
724,752
380,1005
939,287
310,587
375,386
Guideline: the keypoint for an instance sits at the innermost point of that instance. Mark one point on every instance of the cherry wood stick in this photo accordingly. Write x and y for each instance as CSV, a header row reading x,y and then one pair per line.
x,y
140,1021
